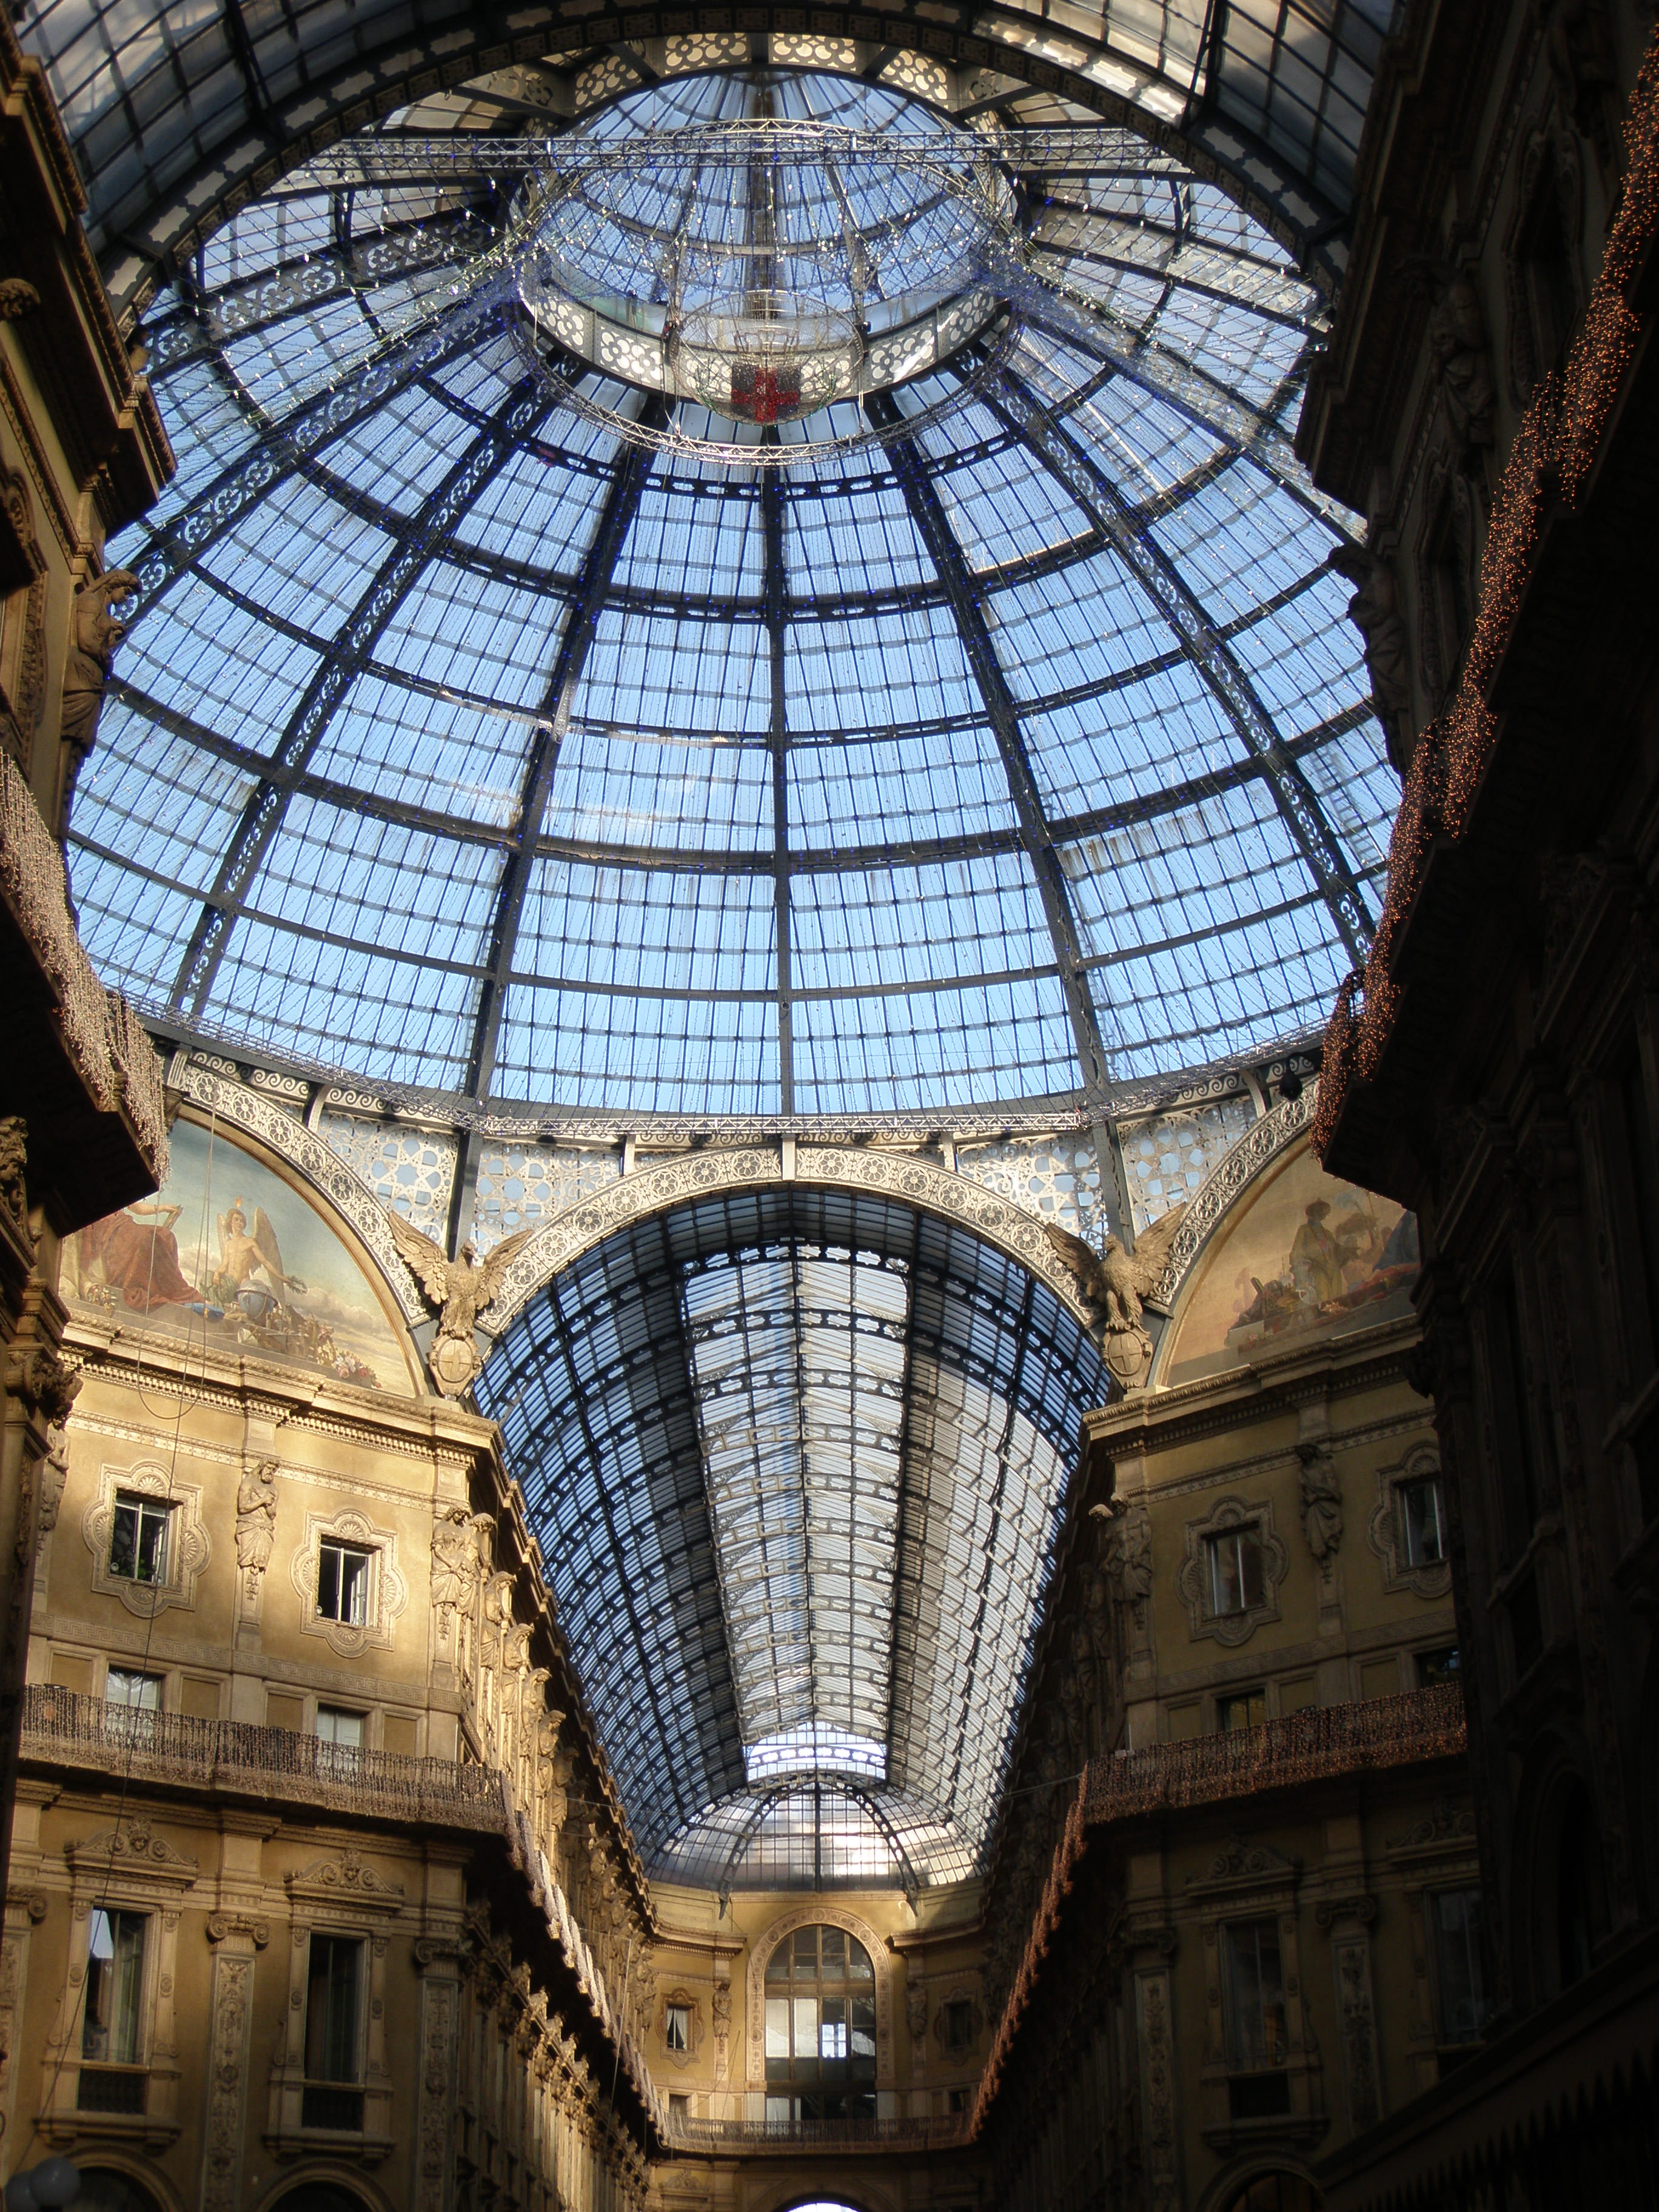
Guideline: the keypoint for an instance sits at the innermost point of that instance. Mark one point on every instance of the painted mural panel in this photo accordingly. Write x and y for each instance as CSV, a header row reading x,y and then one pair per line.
x,y
1301,1255
237,1257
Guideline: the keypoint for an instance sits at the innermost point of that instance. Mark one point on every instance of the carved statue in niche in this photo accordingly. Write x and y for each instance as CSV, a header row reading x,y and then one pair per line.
x,y
458,1290
14,1163
1578,40
1460,351
94,633
54,1474
457,1562
1129,1552
1373,610
1079,1688
256,1523
1115,1282
1322,1502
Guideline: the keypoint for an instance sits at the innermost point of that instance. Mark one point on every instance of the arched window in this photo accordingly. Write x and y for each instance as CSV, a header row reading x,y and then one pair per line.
x,y
1275,2192
820,2027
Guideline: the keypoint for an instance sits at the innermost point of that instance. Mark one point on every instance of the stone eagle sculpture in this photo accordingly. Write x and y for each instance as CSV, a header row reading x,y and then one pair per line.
x,y
458,1289
1115,1282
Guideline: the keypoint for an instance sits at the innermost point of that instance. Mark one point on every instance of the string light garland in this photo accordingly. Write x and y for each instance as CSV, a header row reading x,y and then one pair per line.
x,y
1555,446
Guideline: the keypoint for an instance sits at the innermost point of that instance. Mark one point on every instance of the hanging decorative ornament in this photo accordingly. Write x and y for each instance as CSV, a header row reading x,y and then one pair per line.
x,y
764,271
769,357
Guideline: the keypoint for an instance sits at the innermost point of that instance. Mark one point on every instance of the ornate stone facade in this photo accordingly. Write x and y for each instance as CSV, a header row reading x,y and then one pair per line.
x,y
1494,1066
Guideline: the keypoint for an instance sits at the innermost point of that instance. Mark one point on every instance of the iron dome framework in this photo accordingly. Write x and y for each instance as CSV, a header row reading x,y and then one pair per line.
x,y
482,740
465,746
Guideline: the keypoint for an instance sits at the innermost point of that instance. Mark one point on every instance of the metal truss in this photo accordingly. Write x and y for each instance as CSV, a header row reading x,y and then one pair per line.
x,y
394,159
615,517
437,518
922,498
1139,248
289,440
1078,321
1162,581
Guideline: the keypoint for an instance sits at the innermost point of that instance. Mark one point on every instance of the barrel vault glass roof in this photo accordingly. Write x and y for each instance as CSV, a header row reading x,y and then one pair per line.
x,y
461,744
796,1460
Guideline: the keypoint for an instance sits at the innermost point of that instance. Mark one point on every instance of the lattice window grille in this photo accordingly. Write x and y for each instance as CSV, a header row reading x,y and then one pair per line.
x,y
928,80
1057,1178
412,1169
1168,1158
520,1184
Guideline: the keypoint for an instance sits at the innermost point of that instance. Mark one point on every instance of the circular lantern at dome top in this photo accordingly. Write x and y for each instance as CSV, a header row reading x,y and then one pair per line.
x,y
764,267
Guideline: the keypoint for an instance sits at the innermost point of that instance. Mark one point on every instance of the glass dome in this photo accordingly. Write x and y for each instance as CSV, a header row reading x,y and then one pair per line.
x,y
499,723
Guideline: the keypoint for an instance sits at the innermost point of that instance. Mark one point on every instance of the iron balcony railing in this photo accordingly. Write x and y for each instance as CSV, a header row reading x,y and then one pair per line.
x,y
66,1728
1311,1746
941,2133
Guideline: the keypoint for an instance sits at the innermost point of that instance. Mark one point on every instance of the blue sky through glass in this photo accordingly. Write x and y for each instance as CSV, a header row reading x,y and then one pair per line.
x,y
838,816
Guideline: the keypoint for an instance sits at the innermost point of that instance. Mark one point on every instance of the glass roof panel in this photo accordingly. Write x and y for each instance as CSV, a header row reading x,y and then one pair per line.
x,y
791,772
739,1428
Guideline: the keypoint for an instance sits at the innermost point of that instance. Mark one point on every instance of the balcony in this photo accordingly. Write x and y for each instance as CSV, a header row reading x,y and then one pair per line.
x,y
946,2132
1319,1744
67,1729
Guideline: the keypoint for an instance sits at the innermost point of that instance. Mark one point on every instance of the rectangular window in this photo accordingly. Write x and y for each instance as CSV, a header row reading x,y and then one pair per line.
x,y
332,2003
1235,1577
137,1693
832,2029
1255,1990
1423,1522
1459,1983
1434,1668
138,1539
342,1582
132,1705
679,2107
957,2023
677,2027
1241,1709
112,2030
338,1725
